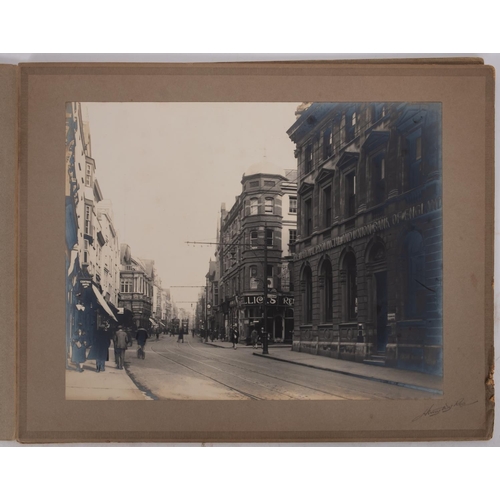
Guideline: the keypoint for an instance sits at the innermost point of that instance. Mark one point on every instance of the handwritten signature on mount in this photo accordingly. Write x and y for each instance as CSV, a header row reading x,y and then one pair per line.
x,y
432,411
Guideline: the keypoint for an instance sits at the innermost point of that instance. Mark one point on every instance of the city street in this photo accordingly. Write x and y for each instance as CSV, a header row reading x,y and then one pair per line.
x,y
194,370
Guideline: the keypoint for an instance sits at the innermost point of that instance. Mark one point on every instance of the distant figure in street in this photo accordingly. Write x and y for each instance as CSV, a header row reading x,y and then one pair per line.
x,y
121,341
234,336
79,348
255,337
100,347
181,335
141,336
157,334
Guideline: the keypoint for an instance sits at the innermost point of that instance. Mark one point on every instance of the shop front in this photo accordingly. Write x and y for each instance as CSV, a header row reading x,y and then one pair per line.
x,y
279,316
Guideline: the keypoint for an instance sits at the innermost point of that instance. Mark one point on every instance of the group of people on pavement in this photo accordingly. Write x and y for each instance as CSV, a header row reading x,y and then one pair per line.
x,y
100,343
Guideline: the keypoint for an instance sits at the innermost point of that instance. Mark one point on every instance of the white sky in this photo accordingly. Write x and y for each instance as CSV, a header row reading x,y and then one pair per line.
x,y
167,167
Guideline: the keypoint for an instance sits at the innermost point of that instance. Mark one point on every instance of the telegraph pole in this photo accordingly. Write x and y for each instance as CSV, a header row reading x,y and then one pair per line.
x,y
206,310
264,338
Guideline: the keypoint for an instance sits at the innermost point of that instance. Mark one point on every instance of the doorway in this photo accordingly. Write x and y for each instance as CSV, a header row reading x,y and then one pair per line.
x,y
381,309
278,328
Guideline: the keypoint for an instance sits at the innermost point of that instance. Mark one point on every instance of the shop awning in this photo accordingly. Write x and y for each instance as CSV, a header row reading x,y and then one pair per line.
x,y
74,255
103,303
153,322
162,324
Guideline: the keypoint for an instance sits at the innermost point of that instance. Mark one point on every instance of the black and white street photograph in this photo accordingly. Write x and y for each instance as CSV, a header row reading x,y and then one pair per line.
x,y
253,251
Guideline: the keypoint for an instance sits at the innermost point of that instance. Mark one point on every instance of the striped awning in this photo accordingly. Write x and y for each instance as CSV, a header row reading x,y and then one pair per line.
x,y
103,303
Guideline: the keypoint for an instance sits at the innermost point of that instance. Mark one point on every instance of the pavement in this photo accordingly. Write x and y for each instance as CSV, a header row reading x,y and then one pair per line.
x,y
229,345
393,376
111,384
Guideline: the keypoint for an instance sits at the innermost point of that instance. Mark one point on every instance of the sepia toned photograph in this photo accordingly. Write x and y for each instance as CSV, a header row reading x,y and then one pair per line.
x,y
254,251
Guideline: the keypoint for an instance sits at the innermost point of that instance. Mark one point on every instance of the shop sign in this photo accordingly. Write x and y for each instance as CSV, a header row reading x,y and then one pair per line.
x,y
272,300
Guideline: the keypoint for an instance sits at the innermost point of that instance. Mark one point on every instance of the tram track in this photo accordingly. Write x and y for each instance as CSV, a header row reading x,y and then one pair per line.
x,y
238,366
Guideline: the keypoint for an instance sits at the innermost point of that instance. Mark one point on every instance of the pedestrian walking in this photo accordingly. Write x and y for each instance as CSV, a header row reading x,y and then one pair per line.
x,y
255,337
100,347
79,348
141,336
121,341
181,336
234,336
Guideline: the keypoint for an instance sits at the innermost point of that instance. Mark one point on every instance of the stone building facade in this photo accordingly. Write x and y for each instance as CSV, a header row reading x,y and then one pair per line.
x,y
136,288
251,233
368,254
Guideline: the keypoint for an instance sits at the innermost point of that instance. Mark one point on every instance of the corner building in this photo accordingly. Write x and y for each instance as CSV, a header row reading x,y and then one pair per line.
x,y
254,253
368,254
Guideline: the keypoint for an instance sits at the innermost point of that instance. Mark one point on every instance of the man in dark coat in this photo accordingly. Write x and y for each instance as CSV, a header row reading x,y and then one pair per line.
x,y
121,342
141,335
234,336
100,347
79,348
181,335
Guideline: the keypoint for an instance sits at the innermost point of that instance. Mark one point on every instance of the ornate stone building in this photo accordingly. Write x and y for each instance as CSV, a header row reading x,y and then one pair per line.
x,y
257,229
368,254
136,287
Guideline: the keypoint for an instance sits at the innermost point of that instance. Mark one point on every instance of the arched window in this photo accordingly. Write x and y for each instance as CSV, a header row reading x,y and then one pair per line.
x,y
307,295
327,298
415,279
351,289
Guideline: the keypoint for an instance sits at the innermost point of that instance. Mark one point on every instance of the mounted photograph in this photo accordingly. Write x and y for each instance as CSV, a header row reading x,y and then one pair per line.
x,y
254,251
